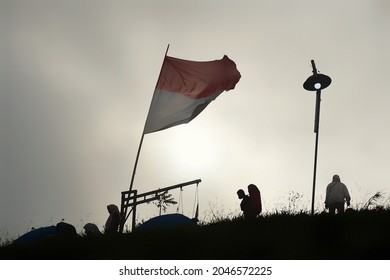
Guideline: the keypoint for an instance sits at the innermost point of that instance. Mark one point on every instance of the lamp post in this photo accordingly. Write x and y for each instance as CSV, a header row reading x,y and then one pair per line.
x,y
316,82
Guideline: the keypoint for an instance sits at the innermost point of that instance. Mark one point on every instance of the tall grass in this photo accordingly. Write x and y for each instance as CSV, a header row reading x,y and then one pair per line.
x,y
5,239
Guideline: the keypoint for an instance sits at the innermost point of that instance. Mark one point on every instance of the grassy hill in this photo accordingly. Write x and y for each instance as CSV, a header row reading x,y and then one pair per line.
x,y
357,235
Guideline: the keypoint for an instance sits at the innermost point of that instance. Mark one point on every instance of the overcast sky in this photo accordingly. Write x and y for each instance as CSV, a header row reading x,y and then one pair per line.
x,y
77,78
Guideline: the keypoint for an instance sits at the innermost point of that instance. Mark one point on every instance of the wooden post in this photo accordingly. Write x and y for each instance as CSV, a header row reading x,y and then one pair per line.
x,y
134,211
137,199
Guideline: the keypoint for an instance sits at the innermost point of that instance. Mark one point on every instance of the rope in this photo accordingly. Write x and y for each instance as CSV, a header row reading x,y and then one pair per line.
x,y
180,204
195,208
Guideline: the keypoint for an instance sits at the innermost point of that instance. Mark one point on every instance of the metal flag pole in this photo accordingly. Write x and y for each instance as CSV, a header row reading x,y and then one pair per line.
x,y
316,82
317,132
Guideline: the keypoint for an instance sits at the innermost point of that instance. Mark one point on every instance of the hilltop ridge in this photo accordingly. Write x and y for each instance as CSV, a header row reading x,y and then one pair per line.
x,y
356,235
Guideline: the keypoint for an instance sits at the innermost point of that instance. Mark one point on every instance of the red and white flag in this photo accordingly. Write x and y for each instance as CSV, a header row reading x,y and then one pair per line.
x,y
185,88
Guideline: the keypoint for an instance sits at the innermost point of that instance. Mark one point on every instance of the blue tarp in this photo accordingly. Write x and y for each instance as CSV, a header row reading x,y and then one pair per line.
x,y
167,221
36,234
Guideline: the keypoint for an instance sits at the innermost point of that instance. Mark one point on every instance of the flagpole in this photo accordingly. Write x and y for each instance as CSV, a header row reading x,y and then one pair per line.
x,y
124,210
143,132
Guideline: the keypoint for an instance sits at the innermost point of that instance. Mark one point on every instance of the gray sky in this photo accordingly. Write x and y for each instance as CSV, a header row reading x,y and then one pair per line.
x,y
77,79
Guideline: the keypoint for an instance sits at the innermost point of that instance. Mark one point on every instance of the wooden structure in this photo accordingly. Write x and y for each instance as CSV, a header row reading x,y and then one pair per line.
x,y
130,199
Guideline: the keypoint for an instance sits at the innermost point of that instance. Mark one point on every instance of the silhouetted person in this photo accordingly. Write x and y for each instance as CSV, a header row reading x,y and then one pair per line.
x,y
336,195
255,196
113,220
246,205
92,230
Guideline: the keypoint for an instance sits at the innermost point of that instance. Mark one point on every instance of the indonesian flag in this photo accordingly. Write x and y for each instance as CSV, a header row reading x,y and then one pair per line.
x,y
185,88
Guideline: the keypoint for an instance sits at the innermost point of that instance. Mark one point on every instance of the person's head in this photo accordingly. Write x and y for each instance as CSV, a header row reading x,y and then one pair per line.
x,y
112,208
240,193
336,178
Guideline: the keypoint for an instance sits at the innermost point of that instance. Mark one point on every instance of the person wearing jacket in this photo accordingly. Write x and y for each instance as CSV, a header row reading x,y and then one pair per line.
x,y
336,196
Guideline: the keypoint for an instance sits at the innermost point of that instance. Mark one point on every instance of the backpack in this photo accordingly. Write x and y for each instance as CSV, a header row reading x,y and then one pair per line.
x,y
255,197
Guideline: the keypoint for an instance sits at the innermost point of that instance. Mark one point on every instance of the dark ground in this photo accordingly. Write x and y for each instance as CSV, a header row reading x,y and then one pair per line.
x,y
359,235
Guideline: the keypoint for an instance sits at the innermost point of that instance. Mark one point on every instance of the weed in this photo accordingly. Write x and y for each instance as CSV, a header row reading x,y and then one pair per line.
x,y
373,201
5,239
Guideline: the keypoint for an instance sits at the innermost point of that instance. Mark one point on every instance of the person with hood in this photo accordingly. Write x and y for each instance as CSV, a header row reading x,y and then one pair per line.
x,y
92,230
113,220
255,196
336,196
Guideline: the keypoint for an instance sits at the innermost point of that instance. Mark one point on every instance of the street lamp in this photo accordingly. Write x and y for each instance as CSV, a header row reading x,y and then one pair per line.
x,y
316,82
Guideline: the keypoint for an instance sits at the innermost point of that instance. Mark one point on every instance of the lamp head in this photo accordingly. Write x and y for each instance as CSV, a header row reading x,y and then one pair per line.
x,y
317,82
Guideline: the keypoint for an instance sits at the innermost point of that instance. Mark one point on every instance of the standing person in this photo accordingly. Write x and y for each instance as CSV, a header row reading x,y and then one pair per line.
x,y
246,205
113,220
255,196
336,195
